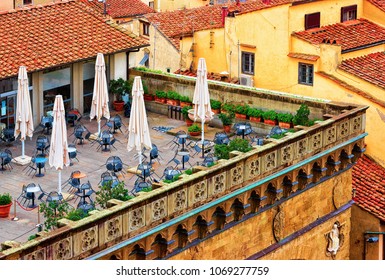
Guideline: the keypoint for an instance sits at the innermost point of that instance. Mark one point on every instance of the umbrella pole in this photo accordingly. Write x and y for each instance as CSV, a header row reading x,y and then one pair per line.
x,y
203,138
98,128
140,157
22,149
59,186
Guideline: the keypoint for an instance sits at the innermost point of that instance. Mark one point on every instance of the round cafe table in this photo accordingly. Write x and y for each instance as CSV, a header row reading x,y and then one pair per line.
x,y
39,161
32,189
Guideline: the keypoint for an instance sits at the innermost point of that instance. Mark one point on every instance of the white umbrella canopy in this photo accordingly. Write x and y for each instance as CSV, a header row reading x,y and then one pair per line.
x,y
99,106
58,151
138,132
24,119
201,98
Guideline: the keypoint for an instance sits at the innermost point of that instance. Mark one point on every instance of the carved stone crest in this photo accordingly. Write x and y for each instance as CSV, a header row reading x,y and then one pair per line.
x,y
279,224
335,239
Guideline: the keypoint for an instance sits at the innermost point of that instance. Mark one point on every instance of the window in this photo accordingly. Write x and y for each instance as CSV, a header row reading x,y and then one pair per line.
x,y
348,13
312,20
151,4
305,74
27,2
247,63
146,29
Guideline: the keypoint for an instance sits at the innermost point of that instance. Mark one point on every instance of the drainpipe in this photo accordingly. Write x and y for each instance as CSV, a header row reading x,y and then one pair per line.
x,y
371,239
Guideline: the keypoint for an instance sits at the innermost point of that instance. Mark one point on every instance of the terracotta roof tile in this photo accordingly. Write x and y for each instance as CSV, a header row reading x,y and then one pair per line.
x,y
349,35
57,34
304,56
370,68
378,3
121,8
370,186
175,24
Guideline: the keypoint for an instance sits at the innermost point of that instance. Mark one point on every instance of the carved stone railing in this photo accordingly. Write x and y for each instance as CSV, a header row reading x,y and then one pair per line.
x,y
123,220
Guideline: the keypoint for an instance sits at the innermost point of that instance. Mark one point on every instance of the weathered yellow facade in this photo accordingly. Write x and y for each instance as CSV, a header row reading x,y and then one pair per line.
x,y
267,34
171,5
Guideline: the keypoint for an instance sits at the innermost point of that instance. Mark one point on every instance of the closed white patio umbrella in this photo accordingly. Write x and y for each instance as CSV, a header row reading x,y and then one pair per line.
x,y
201,98
58,151
99,106
138,132
23,117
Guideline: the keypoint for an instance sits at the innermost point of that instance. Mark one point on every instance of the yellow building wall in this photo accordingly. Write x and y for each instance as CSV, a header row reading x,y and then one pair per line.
x,y
372,13
330,12
171,5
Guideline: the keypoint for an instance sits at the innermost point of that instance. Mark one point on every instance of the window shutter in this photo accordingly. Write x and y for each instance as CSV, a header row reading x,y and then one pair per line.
x,y
312,20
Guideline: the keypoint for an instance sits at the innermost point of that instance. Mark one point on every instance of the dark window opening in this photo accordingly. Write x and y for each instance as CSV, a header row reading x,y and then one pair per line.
x,y
146,29
305,74
27,2
247,63
312,20
348,13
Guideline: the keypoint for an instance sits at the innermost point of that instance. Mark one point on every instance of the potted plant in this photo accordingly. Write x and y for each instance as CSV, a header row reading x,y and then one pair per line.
x,y
194,130
254,114
270,117
172,98
185,101
227,108
5,204
185,113
285,120
215,106
119,88
160,96
302,116
227,120
241,111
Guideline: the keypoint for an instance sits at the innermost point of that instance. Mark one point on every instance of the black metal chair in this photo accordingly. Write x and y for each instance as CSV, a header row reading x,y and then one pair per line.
x,y
8,136
80,132
114,124
221,138
46,123
42,144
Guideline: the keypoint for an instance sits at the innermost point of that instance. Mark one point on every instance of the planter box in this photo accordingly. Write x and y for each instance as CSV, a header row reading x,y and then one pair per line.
x,y
270,122
160,100
216,111
148,97
284,124
255,119
184,104
240,116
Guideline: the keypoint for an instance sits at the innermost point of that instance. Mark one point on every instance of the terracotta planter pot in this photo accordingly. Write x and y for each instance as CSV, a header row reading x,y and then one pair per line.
x,y
195,133
284,124
255,119
184,104
240,116
148,97
160,100
270,122
169,102
216,111
227,128
189,122
4,210
118,105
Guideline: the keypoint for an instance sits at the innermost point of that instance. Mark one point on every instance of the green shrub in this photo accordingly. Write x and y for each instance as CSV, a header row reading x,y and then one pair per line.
x,y
228,107
254,112
76,215
185,99
120,87
302,116
194,128
221,151
106,193
5,199
239,144
185,110
270,115
215,104
172,95
242,109
285,117
189,172
160,94
226,119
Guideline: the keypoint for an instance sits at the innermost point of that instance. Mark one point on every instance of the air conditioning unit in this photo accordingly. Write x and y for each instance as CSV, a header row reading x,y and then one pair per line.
x,y
246,80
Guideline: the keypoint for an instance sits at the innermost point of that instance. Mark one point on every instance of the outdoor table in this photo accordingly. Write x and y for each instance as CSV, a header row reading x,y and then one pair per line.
x,y
71,150
183,138
32,190
54,196
82,189
204,143
170,174
39,161
3,155
80,175
145,168
85,206
183,154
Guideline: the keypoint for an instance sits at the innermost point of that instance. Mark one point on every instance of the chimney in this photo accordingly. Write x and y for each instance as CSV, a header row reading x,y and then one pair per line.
x,y
225,11
238,2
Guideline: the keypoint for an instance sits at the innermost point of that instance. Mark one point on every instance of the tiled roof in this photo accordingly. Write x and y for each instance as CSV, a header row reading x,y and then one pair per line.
x,y
349,35
370,68
175,24
304,56
369,183
378,3
56,34
121,8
